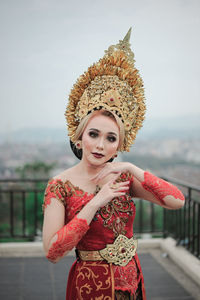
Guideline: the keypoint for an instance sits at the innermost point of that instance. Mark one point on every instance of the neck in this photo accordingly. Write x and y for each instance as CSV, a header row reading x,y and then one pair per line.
x,y
89,169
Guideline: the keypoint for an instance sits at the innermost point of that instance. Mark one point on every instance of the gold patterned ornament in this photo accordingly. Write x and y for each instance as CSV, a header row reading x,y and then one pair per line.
x,y
113,84
121,251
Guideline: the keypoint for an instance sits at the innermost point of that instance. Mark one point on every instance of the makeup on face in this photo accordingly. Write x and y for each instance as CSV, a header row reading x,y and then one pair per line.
x,y
100,139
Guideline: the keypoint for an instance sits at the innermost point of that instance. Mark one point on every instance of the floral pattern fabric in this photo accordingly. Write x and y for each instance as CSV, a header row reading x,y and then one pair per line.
x,y
100,280
67,238
160,188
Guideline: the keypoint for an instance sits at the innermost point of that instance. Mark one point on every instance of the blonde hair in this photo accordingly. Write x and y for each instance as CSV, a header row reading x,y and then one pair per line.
x,y
81,127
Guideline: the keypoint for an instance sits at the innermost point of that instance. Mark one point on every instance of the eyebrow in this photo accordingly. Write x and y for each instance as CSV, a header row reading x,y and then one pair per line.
x,y
97,130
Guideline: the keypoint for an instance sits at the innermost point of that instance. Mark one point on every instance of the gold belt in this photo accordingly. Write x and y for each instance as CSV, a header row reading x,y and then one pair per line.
x,y
119,253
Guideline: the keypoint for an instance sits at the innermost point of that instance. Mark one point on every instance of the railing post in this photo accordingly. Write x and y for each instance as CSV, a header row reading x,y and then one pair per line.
x,y
180,224
11,214
23,214
152,218
141,216
164,223
176,222
189,203
35,214
184,225
193,227
198,232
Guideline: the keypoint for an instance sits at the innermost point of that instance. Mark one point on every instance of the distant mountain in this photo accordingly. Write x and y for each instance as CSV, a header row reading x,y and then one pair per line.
x,y
35,135
179,127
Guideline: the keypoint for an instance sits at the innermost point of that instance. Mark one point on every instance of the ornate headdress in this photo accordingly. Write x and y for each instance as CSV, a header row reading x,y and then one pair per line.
x,y
113,84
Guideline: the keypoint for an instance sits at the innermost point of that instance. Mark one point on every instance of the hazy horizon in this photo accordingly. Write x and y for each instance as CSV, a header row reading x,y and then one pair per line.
x,y
186,120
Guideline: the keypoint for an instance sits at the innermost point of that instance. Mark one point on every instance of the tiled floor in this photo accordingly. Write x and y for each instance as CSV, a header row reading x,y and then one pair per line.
x,y
37,279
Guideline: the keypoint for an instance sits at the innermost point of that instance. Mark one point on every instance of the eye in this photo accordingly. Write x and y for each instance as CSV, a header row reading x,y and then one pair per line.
x,y
93,134
111,138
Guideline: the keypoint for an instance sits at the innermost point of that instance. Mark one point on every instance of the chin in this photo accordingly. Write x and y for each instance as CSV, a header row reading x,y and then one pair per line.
x,y
98,162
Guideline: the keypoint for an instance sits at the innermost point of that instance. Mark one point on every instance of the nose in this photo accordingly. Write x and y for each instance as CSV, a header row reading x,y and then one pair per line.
x,y
100,144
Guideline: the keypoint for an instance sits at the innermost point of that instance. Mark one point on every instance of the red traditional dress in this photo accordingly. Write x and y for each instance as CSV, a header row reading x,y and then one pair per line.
x,y
99,280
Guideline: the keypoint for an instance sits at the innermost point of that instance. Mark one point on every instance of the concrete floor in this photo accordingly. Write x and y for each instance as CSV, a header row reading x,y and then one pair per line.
x,y
37,279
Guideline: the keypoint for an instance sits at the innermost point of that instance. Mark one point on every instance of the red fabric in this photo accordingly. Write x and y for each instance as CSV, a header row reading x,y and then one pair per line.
x,y
90,280
127,277
67,238
54,189
160,188
98,280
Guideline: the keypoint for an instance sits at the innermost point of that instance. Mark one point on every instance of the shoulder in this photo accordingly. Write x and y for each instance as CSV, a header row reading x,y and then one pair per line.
x,y
65,175
56,187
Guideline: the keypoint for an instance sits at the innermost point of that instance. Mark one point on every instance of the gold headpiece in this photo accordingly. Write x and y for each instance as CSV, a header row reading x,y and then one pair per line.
x,y
113,84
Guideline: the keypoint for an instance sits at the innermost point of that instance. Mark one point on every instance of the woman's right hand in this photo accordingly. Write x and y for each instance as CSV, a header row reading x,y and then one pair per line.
x,y
110,190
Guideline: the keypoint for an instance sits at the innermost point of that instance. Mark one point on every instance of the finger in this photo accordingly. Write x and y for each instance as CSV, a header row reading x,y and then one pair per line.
x,y
119,194
105,173
116,187
115,176
119,189
124,183
119,184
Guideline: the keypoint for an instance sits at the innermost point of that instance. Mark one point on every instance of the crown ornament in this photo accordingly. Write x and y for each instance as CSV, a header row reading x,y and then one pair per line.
x,y
113,84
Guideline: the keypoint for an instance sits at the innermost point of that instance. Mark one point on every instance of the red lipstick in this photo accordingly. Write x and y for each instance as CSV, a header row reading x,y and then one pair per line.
x,y
97,155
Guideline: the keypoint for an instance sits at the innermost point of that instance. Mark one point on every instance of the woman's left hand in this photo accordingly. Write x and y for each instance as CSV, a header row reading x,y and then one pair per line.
x,y
111,168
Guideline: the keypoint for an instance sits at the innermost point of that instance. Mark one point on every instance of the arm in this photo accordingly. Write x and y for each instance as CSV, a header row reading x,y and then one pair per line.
x,y
58,238
155,189
146,185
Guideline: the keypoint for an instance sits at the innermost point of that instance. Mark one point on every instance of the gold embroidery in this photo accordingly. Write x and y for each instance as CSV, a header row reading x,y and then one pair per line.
x,y
54,189
74,190
121,251
81,193
110,213
85,272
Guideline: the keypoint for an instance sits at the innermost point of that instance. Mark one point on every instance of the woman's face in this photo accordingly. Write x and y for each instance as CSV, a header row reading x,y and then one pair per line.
x,y
100,139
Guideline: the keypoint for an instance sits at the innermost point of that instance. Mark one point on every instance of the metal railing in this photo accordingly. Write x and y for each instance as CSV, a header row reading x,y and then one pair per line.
x,y
184,224
21,213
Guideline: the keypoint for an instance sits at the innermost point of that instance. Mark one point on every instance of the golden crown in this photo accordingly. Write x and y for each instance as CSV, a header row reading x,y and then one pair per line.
x,y
113,84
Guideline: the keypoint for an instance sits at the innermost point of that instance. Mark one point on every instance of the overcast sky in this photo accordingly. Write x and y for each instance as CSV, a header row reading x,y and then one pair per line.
x,y
47,44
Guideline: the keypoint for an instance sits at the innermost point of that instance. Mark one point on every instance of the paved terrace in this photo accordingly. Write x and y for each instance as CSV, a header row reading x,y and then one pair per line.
x,y
27,275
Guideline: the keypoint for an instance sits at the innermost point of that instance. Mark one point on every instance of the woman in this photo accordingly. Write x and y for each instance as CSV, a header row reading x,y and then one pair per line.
x,y
90,206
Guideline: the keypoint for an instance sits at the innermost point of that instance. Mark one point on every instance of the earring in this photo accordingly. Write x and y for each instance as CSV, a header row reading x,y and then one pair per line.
x,y
114,156
78,144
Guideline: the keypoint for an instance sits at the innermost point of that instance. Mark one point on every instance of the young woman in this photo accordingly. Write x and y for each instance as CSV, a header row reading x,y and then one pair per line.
x,y
91,205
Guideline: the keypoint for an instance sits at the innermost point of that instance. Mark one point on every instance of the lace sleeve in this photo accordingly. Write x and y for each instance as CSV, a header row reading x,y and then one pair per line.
x,y
67,238
160,188
54,189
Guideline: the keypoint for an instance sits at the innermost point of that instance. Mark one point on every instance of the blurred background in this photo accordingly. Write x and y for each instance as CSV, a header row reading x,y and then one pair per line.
x,y
46,45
